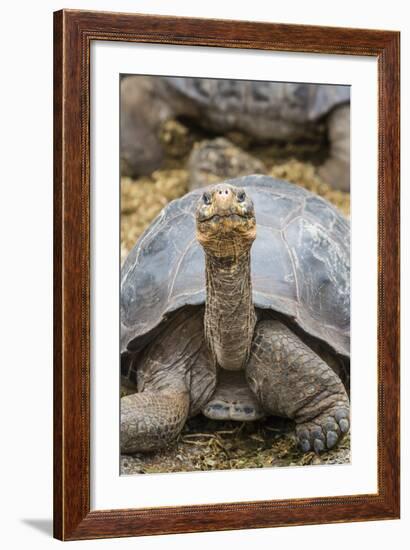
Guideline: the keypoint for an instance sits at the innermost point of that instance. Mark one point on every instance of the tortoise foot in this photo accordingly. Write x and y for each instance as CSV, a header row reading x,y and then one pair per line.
x,y
151,420
233,400
323,432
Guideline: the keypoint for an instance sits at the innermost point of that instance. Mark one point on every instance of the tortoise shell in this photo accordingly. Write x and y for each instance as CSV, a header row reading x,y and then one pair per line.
x,y
300,264
264,109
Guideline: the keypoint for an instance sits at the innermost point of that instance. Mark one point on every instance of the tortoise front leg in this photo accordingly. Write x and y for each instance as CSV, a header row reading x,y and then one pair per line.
x,y
292,381
151,420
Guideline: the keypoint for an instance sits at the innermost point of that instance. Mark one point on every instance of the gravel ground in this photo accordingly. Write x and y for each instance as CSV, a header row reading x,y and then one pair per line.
x,y
209,445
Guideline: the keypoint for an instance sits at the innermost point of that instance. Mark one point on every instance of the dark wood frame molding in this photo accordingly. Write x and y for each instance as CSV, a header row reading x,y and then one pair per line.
x,y
73,33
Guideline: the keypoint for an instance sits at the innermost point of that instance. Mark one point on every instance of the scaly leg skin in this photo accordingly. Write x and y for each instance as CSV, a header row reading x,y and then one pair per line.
x,y
151,420
292,381
175,377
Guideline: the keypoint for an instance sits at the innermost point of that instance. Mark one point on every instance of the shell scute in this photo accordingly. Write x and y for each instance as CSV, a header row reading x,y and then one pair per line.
x,y
300,264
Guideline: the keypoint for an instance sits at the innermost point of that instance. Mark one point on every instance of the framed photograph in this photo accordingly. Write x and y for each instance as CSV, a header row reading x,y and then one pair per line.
x,y
226,275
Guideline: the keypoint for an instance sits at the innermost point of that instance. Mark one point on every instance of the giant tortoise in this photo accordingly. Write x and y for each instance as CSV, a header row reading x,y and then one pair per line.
x,y
235,303
263,111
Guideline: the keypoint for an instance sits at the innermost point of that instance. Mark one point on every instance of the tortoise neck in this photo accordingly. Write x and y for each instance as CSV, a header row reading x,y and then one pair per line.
x,y
229,311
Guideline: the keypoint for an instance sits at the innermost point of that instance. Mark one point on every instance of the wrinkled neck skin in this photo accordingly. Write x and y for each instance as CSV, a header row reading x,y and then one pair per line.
x,y
229,312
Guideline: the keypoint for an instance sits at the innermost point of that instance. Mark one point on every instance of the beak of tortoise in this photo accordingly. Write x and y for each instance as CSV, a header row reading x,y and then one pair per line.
x,y
225,208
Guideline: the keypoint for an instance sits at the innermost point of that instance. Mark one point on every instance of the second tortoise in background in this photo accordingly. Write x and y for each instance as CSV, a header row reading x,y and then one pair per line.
x,y
264,111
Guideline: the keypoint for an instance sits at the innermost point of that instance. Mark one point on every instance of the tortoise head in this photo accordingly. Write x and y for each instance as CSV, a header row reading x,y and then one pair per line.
x,y
225,221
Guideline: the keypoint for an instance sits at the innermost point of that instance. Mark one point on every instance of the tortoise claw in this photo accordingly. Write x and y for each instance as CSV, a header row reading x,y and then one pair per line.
x,y
324,432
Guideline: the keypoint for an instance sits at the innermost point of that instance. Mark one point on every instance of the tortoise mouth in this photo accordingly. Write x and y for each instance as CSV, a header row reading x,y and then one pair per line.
x,y
222,216
226,234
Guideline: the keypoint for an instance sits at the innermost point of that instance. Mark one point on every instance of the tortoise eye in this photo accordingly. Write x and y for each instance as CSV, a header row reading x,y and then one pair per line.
x,y
206,197
241,196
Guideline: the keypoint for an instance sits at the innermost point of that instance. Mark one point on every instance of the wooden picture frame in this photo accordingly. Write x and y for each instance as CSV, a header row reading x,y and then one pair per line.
x,y
74,32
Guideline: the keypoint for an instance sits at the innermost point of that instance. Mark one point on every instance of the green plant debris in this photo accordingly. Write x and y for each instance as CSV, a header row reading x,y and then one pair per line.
x,y
211,445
